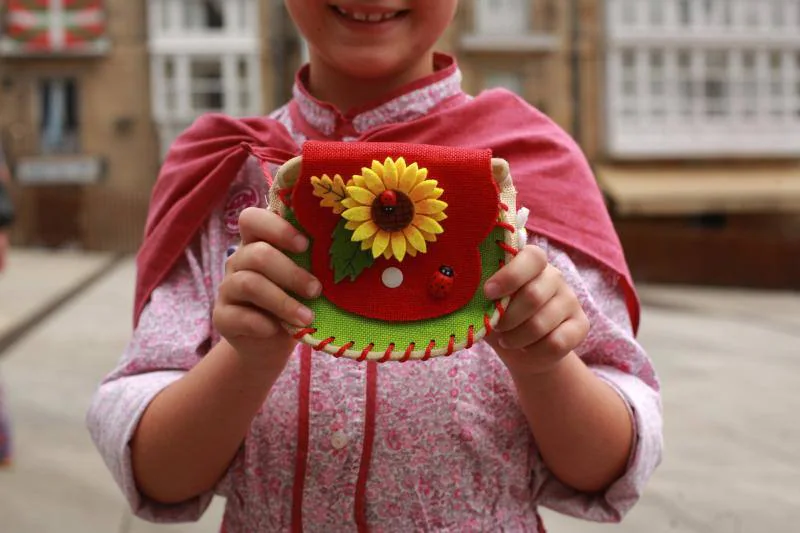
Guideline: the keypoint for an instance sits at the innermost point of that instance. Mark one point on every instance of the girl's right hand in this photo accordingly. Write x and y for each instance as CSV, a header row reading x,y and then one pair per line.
x,y
254,296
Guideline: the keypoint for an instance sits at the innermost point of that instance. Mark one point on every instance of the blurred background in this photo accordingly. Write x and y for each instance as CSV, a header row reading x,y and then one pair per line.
x,y
688,111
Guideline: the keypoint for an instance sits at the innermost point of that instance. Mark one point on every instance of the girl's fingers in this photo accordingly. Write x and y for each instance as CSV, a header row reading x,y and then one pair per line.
x,y
256,224
565,338
530,299
266,260
527,265
244,321
546,320
251,288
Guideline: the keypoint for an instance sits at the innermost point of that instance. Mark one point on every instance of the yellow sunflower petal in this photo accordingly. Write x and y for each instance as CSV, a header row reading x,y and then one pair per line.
x,y
365,231
380,244
366,244
377,168
374,182
422,175
436,194
387,253
438,217
361,213
429,207
389,174
424,223
401,167
429,237
399,245
412,251
362,196
415,238
352,225
357,181
423,190
409,178
349,202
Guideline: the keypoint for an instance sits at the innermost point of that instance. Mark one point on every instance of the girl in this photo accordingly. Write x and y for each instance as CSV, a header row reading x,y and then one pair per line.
x,y
559,408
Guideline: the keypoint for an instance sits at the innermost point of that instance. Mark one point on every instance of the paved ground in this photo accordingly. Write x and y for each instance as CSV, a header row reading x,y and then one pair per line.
x,y
729,362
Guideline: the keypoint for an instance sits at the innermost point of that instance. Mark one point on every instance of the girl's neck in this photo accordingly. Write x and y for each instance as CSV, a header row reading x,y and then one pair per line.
x,y
346,92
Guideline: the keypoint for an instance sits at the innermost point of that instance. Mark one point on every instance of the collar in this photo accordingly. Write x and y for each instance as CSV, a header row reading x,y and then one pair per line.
x,y
322,120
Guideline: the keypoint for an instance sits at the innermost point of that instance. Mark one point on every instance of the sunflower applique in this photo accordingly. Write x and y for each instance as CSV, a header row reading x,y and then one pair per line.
x,y
392,208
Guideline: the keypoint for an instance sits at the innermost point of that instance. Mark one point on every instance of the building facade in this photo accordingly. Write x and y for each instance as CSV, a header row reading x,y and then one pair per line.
x,y
74,120
695,137
521,45
688,110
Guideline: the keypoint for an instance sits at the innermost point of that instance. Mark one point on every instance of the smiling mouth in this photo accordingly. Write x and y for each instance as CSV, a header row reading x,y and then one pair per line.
x,y
367,18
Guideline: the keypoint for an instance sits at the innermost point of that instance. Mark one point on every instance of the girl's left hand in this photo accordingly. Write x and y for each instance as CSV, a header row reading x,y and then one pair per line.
x,y
544,321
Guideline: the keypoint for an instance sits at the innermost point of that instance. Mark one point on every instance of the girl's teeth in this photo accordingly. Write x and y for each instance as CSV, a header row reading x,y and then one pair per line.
x,y
364,17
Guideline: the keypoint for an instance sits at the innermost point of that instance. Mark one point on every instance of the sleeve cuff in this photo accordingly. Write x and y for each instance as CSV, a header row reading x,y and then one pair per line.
x,y
610,506
113,418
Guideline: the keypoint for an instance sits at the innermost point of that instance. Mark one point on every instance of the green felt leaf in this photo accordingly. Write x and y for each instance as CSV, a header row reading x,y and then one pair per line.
x,y
347,257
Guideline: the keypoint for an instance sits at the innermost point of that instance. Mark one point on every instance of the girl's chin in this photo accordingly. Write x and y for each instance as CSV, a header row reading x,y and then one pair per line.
x,y
374,63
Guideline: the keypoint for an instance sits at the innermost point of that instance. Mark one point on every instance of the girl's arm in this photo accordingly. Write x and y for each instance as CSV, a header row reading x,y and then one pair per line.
x,y
191,431
170,418
582,427
584,384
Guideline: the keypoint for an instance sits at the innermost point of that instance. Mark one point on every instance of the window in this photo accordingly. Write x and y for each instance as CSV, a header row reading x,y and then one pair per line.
x,y
213,17
502,17
58,117
741,15
203,15
703,77
186,86
208,94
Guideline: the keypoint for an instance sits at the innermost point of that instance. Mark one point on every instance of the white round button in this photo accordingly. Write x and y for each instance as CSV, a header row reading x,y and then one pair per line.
x,y
392,277
338,440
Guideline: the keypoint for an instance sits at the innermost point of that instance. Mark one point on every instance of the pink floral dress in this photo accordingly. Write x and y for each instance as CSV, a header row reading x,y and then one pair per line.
x,y
437,446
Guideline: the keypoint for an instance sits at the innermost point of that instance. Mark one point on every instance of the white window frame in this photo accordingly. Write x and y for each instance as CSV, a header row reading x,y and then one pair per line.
x,y
173,107
503,17
170,41
760,41
170,19
506,26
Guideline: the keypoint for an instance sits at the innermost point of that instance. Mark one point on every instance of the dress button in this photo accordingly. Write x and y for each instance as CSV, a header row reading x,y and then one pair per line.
x,y
338,440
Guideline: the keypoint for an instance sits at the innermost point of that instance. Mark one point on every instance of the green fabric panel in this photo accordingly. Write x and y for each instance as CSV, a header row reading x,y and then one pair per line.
x,y
330,320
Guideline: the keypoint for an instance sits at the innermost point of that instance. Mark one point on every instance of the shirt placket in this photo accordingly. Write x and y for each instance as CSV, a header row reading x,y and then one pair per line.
x,y
336,442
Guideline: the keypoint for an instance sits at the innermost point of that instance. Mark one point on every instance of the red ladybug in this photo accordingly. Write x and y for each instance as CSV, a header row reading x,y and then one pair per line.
x,y
441,283
388,198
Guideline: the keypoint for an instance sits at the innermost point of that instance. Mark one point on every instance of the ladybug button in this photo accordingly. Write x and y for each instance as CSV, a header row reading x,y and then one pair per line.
x,y
441,283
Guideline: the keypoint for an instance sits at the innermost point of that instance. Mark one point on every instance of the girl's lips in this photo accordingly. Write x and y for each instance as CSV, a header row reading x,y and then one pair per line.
x,y
367,15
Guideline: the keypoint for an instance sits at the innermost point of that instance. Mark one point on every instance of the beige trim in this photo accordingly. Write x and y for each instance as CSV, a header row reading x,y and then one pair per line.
x,y
696,190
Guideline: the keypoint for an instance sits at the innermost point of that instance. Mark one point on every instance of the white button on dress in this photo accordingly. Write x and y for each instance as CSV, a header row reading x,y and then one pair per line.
x,y
338,440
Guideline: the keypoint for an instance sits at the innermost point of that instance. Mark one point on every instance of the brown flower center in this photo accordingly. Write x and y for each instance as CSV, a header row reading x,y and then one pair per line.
x,y
393,211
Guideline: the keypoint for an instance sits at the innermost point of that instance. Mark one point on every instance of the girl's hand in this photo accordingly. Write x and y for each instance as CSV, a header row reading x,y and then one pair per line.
x,y
254,295
544,321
